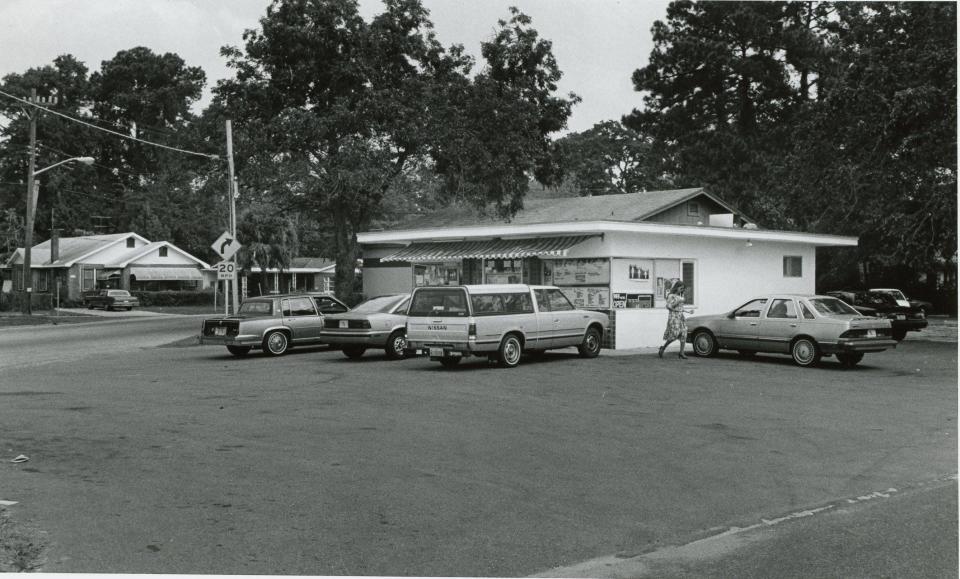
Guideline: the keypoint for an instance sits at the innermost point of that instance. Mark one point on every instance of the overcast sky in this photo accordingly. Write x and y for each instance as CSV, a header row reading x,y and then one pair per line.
x,y
598,43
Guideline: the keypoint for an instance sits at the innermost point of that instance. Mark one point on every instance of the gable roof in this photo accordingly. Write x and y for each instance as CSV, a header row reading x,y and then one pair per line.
x,y
629,207
138,252
77,249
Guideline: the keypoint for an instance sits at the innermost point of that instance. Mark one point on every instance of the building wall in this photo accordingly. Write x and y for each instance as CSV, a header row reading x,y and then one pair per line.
x,y
153,259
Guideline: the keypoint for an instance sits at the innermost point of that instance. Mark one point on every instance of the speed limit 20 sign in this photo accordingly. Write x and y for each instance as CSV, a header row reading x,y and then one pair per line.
x,y
226,270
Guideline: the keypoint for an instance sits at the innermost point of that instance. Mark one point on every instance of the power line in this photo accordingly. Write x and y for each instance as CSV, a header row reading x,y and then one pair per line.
x,y
92,126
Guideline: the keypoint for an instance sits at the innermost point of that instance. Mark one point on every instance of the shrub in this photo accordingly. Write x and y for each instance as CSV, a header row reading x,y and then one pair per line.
x,y
176,298
14,302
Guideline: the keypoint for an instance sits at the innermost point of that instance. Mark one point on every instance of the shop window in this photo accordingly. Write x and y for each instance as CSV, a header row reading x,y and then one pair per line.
x,y
163,251
435,274
792,266
472,271
688,278
503,271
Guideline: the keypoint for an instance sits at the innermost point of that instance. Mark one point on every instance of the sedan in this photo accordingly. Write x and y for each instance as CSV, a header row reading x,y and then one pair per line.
x,y
272,323
379,322
112,299
807,327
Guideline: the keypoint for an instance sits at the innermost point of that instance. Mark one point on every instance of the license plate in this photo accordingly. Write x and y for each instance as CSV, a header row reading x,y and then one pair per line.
x,y
901,317
344,324
871,333
219,331
436,352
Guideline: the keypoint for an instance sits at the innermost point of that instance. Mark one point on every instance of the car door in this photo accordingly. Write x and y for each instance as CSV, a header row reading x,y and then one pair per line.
x,y
778,327
569,322
546,327
301,316
738,331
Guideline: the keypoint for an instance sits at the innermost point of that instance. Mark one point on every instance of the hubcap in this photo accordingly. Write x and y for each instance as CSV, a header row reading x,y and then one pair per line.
x,y
511,351
277,343
591,341
703,344
803,351
399,344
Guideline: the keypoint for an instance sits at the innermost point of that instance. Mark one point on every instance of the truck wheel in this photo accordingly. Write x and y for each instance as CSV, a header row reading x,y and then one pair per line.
x,y
510,351
590,347
396,344
899,335
850,360
239,351
450,361
805,352
353,352
276,343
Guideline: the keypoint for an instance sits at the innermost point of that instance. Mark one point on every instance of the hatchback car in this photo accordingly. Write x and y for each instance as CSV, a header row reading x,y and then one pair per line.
x,y
273,323
376,323
807,327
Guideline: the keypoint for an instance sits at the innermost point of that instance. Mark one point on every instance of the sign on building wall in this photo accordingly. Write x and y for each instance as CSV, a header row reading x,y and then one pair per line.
x,y
581,271
590,298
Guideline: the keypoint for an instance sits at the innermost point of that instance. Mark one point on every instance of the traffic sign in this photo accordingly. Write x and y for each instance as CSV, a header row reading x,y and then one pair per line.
x,y
226,245
226,270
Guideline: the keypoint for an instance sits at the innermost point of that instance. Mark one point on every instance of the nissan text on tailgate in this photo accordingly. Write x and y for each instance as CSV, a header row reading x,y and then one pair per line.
x,y
500,322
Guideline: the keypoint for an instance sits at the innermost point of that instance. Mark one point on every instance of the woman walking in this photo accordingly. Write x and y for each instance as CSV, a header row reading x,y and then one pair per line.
x,y
676,323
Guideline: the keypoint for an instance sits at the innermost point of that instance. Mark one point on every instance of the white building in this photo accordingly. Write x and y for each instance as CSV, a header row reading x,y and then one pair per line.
x,y
614,253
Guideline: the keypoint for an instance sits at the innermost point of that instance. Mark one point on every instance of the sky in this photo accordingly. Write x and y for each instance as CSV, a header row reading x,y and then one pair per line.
x,y
597,43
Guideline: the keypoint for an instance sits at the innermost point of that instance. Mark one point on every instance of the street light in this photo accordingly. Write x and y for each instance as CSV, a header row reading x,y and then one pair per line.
x,y
28,226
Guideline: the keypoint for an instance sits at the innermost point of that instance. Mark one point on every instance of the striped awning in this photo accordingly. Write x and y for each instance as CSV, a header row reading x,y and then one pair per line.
x,y
166,273
489,249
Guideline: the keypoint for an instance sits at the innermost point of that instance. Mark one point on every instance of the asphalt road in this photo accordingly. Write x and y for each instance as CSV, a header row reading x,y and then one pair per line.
x,y
147,459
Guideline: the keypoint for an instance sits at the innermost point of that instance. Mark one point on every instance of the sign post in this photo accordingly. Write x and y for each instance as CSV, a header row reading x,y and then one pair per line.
x,y
226,247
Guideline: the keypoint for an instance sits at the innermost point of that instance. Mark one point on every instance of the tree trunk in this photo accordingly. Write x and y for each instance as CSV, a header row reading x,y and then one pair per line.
x,y
346,252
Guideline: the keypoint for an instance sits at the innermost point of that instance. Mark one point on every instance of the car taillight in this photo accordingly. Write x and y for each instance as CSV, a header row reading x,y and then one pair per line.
x,y
472,330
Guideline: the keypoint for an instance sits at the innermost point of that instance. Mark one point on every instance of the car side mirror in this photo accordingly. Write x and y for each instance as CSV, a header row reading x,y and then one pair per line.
x,y
732,315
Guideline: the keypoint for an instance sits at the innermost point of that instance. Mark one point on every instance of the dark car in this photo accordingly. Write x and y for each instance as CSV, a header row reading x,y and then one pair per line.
x,y
903,300
111,299
903,318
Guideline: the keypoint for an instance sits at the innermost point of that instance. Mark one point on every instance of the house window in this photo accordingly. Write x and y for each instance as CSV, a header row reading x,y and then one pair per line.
x,y
18,279
43,281
693,208
88,280
327,285
163,251
131,242
792,266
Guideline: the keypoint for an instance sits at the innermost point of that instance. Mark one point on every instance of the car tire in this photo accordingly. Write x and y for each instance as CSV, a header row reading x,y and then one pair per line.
x,y
850,360
276,343
746,353
396,344
450,361
591,344
510,351
354,352
899,335
805,352
239,351
704,344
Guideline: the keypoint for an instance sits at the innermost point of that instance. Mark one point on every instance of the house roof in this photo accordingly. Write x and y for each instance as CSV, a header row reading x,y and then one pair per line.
x,y
77,249
628,207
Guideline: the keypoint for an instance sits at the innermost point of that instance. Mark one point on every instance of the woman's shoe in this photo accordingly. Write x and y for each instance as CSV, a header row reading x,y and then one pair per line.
x,y
683,356
660,352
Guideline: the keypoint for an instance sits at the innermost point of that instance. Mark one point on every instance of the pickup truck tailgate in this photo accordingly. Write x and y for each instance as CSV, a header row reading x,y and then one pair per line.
x,y
437,330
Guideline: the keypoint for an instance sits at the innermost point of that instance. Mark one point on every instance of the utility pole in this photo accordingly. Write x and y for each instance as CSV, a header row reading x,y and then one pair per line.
x,y
31,203
232,187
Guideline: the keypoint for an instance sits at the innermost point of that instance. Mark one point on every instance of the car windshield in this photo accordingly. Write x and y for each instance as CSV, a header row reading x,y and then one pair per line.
x,y
439,302
257,308
378,305
832,307
895,294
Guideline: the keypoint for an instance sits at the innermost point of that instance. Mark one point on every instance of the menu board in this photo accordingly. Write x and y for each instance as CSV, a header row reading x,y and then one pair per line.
x,y
632,301
589,298
581,271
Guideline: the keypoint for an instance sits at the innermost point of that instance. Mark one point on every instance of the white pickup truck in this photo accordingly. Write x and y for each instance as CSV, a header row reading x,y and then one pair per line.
x,y
498,321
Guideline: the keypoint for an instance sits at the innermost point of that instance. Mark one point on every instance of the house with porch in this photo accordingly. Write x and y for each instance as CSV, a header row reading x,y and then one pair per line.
x,y
69,266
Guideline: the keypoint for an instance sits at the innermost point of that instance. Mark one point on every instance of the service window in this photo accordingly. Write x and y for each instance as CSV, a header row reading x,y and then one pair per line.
x,y
782,309
751,309
296,307
792,266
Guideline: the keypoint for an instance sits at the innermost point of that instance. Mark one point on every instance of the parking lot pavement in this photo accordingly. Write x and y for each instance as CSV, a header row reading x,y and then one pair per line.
x,y
938,330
